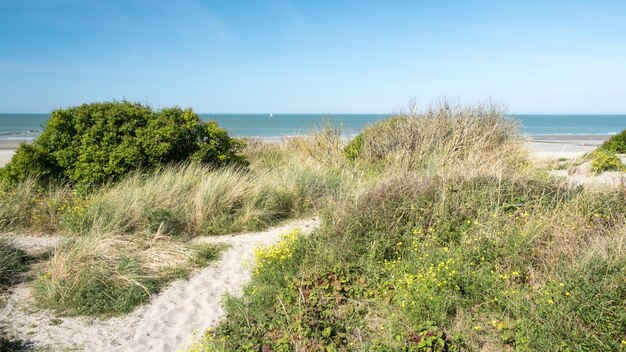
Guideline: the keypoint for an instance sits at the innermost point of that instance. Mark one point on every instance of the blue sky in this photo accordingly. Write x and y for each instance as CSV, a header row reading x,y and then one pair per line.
x,y
313,56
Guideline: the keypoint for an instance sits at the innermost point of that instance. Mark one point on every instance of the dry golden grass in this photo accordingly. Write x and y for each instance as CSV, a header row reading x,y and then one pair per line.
x,y
445,137
106,273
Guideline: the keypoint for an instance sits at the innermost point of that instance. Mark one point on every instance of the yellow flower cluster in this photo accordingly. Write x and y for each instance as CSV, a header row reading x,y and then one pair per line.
x,y
553,293
277,253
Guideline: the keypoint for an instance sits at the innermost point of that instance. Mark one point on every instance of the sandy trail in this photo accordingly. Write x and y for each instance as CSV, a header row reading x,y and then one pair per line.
x,y
167,322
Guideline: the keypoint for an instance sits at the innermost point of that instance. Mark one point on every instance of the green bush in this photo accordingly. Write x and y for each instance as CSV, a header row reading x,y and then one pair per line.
x,y
94,143
616,144
604,160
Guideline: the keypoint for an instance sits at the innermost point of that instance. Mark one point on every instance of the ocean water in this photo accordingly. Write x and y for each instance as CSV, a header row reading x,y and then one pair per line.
x,y
28,126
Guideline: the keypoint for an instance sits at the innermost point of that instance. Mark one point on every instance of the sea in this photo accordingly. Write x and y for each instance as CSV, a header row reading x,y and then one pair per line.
x,y
28,126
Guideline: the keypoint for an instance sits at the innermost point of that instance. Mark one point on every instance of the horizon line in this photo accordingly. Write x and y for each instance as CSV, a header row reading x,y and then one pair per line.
x,y
351,113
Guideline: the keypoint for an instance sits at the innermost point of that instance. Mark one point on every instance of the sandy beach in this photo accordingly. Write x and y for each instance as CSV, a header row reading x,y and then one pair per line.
x,y
7,149
563,146
5,156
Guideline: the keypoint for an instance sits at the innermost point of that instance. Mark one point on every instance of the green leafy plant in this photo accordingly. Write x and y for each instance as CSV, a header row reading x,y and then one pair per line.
x,y
616,144
604,160
99,142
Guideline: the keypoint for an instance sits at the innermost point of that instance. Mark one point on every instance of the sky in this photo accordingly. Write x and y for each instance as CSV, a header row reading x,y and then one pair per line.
x,y
322,56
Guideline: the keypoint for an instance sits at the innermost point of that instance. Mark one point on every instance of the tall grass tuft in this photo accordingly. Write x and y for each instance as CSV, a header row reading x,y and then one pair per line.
x,y
323,145
102,273
16,205
446,136
192,200
27,206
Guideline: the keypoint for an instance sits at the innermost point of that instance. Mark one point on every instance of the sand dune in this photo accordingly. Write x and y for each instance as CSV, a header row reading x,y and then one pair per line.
x,y
166,323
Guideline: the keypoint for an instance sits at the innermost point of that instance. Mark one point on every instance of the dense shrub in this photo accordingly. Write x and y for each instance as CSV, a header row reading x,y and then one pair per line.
x,y
604,160
616,144
95,143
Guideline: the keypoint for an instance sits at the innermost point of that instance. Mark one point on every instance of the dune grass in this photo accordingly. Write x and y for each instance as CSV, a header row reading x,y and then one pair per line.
x,y
133,237
190,200
446,136
30,207
101,273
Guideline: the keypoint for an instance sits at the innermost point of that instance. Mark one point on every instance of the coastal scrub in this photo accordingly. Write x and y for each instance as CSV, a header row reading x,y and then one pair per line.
x,y
96,143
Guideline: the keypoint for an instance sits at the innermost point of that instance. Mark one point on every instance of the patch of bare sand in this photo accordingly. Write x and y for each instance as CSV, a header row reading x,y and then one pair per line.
x,y
555,150
166,323
581,174
5,156
33,245
571,153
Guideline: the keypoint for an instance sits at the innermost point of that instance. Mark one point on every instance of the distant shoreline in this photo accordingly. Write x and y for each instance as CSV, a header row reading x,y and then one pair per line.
x,y
540,146
13,142
549,127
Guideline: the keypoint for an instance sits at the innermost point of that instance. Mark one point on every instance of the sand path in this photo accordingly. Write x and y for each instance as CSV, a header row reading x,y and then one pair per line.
x,y
167,322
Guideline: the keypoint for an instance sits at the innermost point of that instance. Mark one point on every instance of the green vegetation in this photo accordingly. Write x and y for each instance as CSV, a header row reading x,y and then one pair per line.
x,y
616,144
108,274
442,136
95,143
465,247
604,160
207,253
28,206
438,235
133,237
473,263
127,239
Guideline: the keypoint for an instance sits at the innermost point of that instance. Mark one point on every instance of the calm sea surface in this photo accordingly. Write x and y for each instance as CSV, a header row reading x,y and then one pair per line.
x,y
28,126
